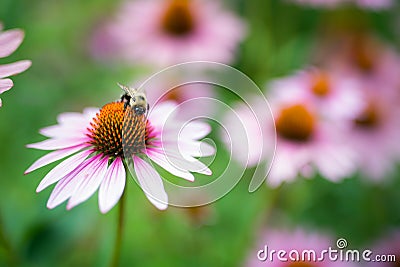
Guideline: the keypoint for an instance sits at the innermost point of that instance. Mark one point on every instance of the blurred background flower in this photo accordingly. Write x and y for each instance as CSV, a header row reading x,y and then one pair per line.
x,y
162,33
331,76
9,41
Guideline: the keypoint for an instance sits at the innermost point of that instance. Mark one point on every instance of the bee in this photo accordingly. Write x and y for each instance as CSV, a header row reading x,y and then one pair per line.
x,y
135,99
135,121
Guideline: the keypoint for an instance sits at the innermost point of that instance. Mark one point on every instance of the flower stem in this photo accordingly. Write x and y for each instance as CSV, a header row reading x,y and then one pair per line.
x,y
118,238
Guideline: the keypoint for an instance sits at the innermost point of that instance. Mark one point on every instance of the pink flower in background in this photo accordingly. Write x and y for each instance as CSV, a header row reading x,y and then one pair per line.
x,y
367,4
335,96
91,146
297,240
375,4
388,245
10,40
194,99
169,32
373,133
244,129
320,3
363,56
306,142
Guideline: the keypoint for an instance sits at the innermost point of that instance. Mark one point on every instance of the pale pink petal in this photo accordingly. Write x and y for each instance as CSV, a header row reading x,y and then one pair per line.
x,y
67,186
52,157
161,113
90,113
14,68
89,183
62,169
5,84
151,183
9,41
52,144
183,163
196,149
163,162
64,131
72,118
195,130
113,185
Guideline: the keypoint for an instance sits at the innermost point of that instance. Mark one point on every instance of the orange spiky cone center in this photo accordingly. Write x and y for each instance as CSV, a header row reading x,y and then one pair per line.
x,y
295,123
116,129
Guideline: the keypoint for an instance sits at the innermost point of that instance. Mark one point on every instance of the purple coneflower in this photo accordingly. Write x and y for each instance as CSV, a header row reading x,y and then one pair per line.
x,y
169,32
94,157
9,41
307,141
334,96
373,132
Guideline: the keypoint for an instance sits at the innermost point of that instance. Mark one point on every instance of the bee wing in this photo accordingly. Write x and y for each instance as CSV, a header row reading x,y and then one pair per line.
x,y
130,91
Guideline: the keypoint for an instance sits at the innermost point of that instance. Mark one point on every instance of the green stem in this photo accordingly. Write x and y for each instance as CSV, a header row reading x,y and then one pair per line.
x,y
118,238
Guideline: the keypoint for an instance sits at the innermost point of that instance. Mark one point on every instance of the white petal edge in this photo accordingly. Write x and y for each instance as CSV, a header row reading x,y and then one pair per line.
x,y
5,85
52,157
195,130
65,131
14,68
89,183
184,163
67,185
151,183
163,162
112,186
63,169
53,144
9,41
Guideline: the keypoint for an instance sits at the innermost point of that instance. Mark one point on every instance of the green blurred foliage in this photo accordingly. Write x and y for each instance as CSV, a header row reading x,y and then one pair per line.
x,y
64,77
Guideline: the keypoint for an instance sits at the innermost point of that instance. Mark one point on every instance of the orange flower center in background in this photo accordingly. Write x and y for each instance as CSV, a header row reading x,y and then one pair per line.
x,y
174,95
320,84
116,128
369,117
300,264
363,53
178,18
295,123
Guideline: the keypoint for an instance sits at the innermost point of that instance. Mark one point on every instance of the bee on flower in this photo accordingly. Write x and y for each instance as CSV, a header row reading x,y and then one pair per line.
x,y
98,146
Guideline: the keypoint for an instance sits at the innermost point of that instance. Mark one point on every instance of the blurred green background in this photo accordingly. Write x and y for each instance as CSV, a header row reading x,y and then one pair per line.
x,y
64,77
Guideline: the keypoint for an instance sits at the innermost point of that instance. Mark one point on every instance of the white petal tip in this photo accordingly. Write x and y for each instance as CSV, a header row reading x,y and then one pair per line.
x,y
206,172
161,206
50,206
105,209
39,189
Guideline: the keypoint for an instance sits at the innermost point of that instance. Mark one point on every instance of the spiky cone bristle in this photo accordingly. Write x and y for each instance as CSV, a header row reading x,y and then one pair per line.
x,y
133,132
